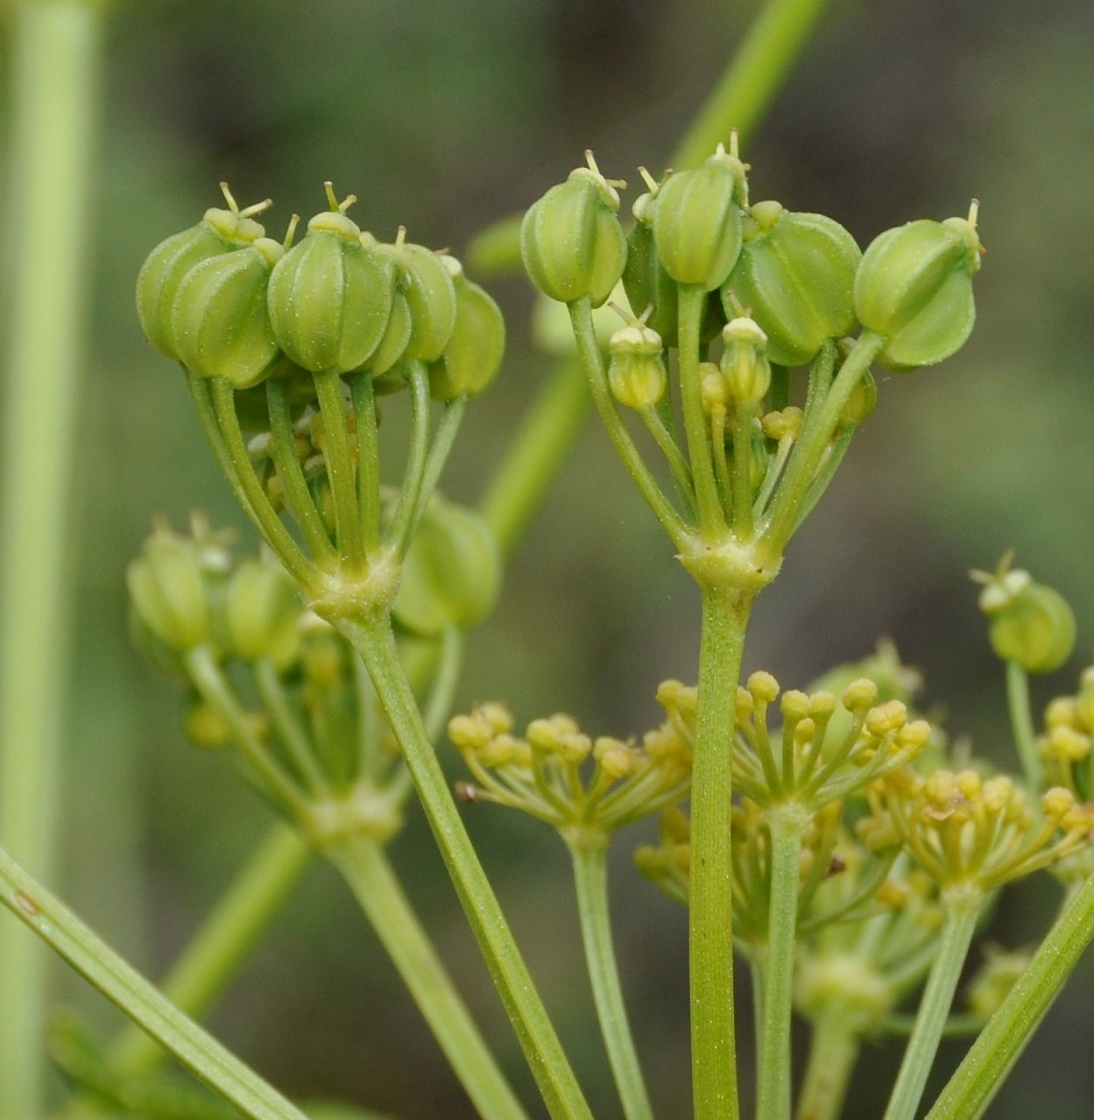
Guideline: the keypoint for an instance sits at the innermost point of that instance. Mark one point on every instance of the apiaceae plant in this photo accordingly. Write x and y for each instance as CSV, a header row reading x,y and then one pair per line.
x,y
828,838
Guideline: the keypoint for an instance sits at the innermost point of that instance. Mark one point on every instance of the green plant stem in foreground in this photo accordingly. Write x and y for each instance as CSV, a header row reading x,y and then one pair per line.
x,y
366,869
35,907
832,1056
224,941
371,635
752,78
713,1039
591,883
52,180
992,1056
773,1092
536,453
958,927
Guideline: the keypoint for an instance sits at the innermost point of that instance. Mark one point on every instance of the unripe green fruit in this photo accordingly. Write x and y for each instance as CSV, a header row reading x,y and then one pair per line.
x,y
219,323
571,241
795,274
1030,623
472,358
647,284
861,403
914,286
393,345
451,573
697,220
262,612
330,297
636,366
218,232
168,593
430,296
744,364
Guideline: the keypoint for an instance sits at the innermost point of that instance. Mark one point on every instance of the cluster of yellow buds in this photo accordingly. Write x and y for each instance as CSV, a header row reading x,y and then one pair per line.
x,y
970,831
802,761
565,777
1065,746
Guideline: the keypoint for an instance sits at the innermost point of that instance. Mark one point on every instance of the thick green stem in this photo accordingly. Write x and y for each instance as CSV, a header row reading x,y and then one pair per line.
x,y
1021,722
786,825
591,882
367,871
536,452
713,1039
958,927
992,1056
33,905
371,634
832,1055
54,122
224,941
754,75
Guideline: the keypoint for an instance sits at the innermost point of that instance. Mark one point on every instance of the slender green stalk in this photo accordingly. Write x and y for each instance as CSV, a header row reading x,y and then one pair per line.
x,y
992,1056
215,690
54,125
833,1052
443,439
713,1038
224,941
536,452
681,473
820,423
591,883
1021,722
297,495
36,908
371,635
752,78
363,393
773,1091
958,926
241,473
368,873
336,453
589,349
289,728
742,470
402,521
712,522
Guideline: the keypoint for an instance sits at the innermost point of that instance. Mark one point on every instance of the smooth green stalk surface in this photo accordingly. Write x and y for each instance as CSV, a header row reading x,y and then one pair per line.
x,y
753,77
832,1056
1021,721
953,946
775,1074
29,901
366,869
52,180
225,940
710,913
591,882
372,637
992,1056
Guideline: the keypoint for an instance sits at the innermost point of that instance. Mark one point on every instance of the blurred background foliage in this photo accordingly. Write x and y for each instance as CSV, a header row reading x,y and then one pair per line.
x,y
445,117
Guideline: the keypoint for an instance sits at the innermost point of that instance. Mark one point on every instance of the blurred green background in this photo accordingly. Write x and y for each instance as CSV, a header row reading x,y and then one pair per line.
x,y
444,117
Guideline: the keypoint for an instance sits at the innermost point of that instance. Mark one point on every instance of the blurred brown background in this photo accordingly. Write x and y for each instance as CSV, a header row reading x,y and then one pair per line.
x,y
443,117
